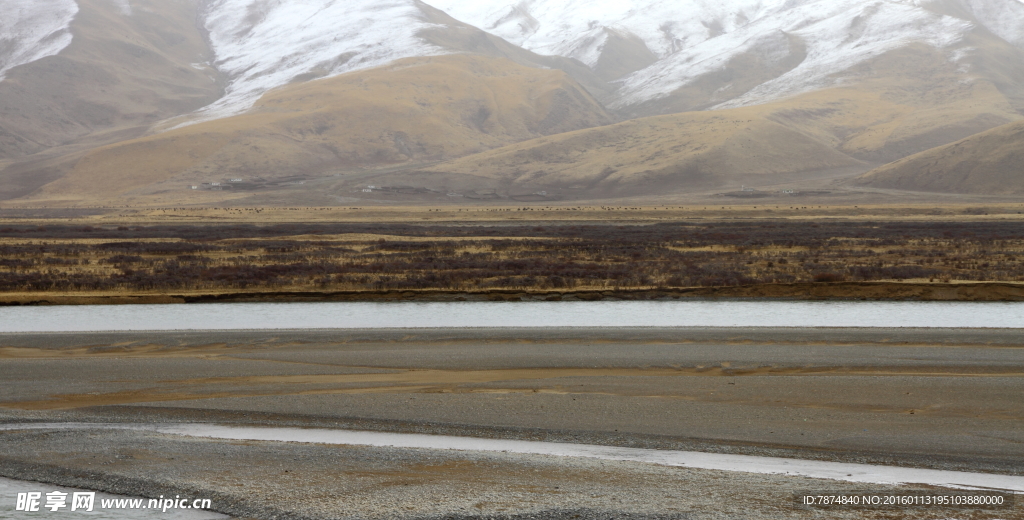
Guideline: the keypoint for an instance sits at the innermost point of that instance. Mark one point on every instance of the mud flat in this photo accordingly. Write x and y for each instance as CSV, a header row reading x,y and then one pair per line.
x,y
947,399
269,479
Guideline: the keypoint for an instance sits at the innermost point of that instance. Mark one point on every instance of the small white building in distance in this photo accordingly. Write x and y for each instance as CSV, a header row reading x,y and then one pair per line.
x,y
194,187
236,180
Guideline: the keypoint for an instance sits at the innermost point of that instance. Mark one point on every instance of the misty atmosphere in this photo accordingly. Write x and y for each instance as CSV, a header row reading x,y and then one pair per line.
x,y
531,259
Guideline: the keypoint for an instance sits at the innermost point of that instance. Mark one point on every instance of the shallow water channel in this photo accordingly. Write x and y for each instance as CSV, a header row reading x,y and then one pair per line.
x,y
862,473
348,315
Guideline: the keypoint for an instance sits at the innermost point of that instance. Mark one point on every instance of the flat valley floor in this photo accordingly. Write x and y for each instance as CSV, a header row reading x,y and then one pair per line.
x,y
930,398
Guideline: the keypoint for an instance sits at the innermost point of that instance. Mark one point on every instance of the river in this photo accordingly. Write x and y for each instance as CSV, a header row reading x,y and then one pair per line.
x,y
348,315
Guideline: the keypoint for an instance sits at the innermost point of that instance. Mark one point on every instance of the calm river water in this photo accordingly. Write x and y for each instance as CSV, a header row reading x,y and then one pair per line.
x,y
345,315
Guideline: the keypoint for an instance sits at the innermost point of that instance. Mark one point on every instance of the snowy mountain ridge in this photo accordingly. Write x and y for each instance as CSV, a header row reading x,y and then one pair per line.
x,y
835,34
33,29
263,44
695,37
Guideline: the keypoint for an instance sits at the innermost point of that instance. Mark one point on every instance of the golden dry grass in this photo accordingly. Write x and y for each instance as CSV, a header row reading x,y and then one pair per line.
x,y
477,116
118,72
989,162
676,152
418,109
973,209
69,261
908,102
119,75
459,122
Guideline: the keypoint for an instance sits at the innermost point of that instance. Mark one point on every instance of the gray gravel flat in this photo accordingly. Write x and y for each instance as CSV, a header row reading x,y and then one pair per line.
x,y
948,399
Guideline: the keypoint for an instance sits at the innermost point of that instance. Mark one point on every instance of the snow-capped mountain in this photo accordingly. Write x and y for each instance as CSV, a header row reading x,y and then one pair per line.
x,y
916,74
831,36
263,44
33,29
580,29
1004,18
655,47
124,5
692,38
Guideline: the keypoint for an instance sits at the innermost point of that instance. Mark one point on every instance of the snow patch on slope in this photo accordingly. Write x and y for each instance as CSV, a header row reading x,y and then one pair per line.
x,y
833,45
263,44
696,37
1005,18
574,28
33,29
125,6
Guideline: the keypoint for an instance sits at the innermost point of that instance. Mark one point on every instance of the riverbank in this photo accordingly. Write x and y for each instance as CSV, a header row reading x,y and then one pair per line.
x,y
282,480
267,477
944,399
880,291
900,394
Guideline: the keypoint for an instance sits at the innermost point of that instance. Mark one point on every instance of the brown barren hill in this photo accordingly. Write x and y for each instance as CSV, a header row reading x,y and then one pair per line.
x,y
915,100
411,111
991,162
901,103
119,71
120,74
694,150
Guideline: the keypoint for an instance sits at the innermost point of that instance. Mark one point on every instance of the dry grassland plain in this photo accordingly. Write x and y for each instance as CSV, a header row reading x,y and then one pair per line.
x,y
183,254
939,399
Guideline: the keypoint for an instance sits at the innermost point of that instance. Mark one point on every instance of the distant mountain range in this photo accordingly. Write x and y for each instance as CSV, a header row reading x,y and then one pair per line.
x,y
142,100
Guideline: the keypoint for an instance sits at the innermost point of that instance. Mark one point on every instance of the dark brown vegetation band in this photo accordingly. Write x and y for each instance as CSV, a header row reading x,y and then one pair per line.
x,y
472,258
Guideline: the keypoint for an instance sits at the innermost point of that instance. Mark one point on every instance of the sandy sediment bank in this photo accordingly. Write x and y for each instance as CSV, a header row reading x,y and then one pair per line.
x,y
929,397
779,339
882,291
944,399
286,480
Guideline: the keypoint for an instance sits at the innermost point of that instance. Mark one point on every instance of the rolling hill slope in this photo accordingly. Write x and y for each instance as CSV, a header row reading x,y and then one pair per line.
x,y
887,117
425,110
414,110
691,55
990,163
120,70
658,154
143,98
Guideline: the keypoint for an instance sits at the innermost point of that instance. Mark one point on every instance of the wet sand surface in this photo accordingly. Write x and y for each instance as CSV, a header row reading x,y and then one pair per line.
x,y
937,398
